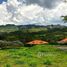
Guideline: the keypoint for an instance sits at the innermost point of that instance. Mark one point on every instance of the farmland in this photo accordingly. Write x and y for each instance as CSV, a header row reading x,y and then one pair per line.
x,y
36,56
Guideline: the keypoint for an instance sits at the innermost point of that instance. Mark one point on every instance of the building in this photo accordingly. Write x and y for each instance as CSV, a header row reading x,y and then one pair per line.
x,y
36,42
63,41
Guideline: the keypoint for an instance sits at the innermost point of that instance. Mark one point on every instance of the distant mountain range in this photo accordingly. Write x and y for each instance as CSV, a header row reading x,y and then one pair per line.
x,y
32,25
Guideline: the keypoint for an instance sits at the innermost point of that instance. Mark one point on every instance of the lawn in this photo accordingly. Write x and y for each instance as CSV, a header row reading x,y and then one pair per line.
x,y
36,56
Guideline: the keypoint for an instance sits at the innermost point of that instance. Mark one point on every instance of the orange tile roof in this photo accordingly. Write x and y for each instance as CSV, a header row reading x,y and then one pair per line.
x,y
37,42
63,41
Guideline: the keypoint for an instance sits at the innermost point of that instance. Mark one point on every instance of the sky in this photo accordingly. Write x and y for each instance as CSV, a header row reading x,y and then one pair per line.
x,y
39,12
3,1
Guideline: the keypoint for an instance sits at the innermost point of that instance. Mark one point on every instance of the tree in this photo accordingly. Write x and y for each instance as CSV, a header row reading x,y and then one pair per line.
x,y
64,18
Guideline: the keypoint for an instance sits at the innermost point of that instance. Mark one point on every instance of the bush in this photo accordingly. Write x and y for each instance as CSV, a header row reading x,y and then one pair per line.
x,y
48,62
7,65
9,44
20,62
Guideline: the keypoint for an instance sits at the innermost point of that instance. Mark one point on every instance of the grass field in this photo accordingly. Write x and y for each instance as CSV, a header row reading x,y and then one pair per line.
x,y
36,56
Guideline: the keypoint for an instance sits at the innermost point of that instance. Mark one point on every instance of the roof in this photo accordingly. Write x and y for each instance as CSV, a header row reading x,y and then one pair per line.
x,y
37,42
63,41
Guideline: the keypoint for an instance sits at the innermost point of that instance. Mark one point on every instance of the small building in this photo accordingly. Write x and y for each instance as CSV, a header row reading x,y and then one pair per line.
x,y
37,42
63,41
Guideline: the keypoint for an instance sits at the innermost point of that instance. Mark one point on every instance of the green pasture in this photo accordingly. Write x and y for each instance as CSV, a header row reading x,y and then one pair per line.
x,y
36,56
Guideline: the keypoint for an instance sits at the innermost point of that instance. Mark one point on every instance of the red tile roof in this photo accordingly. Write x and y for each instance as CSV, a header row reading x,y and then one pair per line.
x,y
63,41
37,42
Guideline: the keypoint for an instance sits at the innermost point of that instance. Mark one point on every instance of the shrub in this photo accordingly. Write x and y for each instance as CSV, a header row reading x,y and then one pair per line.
x,y
20,62
7,65
9,44
48,62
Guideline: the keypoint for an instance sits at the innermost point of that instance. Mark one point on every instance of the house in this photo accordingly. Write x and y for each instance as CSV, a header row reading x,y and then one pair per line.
x,y
36,42
63,41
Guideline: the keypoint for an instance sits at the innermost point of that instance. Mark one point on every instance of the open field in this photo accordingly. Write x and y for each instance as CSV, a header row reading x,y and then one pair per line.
x,y
36,56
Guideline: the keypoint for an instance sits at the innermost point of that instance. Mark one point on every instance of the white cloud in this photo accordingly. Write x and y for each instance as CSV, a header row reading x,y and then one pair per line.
x,y
55,14
16,12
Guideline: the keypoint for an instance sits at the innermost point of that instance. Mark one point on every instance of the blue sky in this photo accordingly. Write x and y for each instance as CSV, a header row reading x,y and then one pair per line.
x,y
43,12
2,1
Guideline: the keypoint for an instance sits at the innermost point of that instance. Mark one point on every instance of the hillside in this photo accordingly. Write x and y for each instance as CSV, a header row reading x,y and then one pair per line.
x,y
26,33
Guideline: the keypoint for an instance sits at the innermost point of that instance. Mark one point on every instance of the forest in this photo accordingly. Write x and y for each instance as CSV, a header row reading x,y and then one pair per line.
x,y
27,33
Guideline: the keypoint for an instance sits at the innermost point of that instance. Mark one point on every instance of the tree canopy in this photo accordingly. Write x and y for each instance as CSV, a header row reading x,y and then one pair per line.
x,y
64,18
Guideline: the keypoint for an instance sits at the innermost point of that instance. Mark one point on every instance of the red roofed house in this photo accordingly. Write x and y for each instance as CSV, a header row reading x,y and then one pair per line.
x,y
36,42
63,41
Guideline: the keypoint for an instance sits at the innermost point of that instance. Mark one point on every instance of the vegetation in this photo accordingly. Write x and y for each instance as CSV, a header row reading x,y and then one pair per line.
x,y
37,56
13,52
50,33
9,44
64,18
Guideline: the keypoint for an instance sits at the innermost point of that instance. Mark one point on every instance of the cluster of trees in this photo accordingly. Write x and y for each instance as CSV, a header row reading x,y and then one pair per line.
x,y
26,35
16,36
10,44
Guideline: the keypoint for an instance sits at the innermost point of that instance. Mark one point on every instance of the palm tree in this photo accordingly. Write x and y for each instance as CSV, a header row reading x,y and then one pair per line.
x,y
64,17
